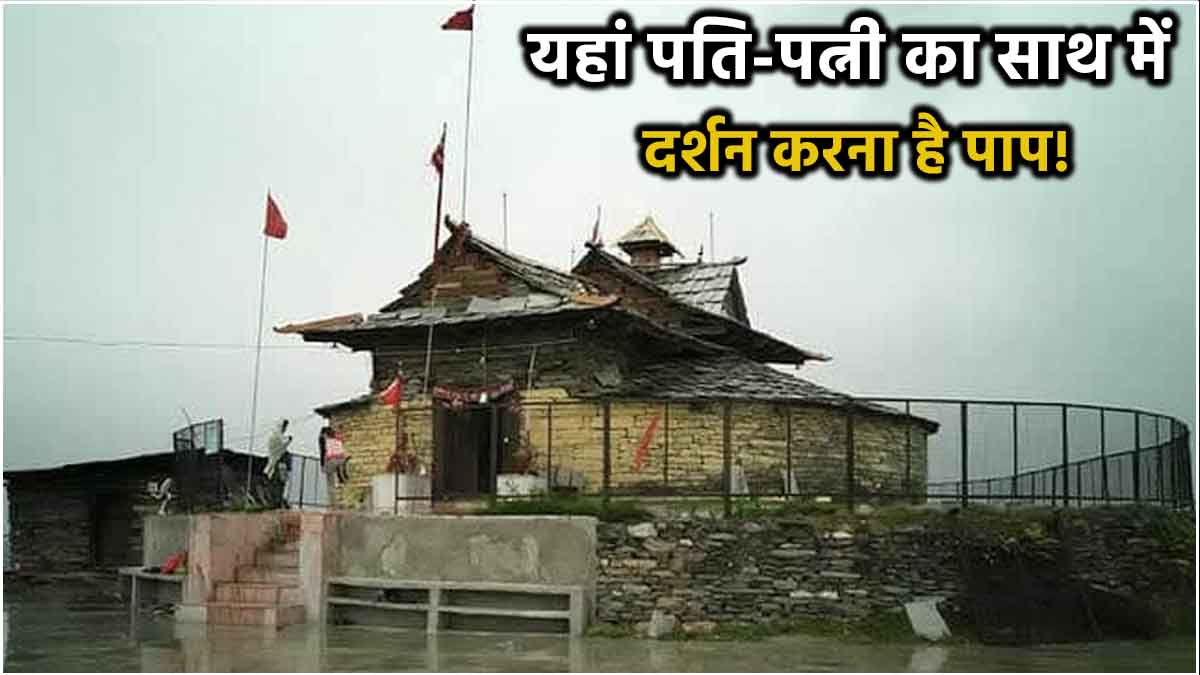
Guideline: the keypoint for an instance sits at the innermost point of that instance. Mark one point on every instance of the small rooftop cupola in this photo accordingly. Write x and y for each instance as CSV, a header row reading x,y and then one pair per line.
x,y
646,245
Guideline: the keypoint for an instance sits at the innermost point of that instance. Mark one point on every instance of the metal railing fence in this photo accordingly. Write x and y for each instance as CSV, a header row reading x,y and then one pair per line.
x,y
844,450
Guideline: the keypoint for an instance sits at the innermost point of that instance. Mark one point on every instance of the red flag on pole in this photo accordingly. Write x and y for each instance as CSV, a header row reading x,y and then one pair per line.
x,y
393,394
438,158
461,20
276,226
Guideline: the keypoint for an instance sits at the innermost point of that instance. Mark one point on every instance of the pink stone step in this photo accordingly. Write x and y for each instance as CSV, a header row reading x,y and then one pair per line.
x,y
284,576
257,592
253,614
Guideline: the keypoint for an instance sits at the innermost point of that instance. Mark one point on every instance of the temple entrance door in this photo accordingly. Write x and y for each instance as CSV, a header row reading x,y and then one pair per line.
x,y
465,440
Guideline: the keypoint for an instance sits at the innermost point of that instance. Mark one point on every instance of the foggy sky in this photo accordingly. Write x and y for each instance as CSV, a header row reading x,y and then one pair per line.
x,y
140,142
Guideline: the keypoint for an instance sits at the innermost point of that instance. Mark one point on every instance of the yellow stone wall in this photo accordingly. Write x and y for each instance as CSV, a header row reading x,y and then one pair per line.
x,y
691,431
369,432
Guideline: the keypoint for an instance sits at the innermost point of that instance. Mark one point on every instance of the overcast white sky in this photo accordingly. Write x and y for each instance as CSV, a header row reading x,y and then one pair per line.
x,y
139,142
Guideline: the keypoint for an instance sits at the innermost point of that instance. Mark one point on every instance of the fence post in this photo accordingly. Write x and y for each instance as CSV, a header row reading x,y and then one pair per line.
x,y
495,449
1103,459
1066,461
727,456
964,488
1137,457
607,471
850,454
1079,484
1016,448
550,448
666,443
787,479
1158,457
1175,464
1186,443
303,463
1182,477
908,449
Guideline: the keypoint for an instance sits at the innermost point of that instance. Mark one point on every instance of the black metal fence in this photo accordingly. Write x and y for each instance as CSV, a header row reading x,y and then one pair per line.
x,y
307,484
843,450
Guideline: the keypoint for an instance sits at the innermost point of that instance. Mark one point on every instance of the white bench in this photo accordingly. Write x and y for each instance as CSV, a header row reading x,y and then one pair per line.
x,y
435,599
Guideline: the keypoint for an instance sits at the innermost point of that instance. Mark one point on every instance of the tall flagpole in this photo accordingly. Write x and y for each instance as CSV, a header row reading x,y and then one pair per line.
x,y
437,220
262,293
437,224
467,132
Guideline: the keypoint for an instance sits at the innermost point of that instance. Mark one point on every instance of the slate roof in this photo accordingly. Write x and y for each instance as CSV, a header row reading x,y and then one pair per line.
x,y
531,271
729,376
719,326
477,309
733,376
726,376
539,277
704,285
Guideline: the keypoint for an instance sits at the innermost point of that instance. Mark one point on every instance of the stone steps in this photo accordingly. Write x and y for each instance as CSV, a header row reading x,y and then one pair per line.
x,y
258,592
253,614
287,576
266,593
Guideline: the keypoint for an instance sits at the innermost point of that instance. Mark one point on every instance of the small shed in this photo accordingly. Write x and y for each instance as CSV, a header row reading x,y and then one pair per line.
x,y
89,515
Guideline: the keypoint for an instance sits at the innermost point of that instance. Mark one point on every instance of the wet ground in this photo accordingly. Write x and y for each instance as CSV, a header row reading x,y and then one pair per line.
x,y
100,637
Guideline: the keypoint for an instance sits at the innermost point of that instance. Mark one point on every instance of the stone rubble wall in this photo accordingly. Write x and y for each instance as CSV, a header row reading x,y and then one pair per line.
x,y
704,571
759,571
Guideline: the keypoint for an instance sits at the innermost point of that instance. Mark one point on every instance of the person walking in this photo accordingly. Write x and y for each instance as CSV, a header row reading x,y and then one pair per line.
x,y
278,463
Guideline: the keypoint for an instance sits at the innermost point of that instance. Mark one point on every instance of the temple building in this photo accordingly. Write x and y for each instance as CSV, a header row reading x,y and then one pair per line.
x,y
512,366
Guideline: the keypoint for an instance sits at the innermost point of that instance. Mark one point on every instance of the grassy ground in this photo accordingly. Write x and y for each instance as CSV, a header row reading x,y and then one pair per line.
x,y
621,511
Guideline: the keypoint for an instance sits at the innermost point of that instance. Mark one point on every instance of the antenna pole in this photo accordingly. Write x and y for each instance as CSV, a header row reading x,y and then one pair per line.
x,y
262,293
712,242
504,197
467,131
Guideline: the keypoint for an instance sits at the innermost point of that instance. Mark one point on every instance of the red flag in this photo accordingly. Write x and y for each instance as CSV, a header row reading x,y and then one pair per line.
x,y
393,394
276,226
438,158
462,20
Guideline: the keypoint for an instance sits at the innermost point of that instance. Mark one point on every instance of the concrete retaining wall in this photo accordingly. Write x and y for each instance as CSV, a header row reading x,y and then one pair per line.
x,y
163,536
540,550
